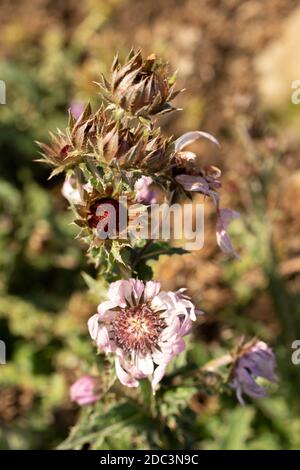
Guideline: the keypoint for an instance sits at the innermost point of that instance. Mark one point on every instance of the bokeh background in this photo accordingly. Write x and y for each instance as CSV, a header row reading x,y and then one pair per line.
x,y
237,59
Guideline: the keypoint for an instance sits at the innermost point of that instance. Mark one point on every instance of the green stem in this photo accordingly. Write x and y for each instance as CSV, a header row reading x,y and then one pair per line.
x,y
140,254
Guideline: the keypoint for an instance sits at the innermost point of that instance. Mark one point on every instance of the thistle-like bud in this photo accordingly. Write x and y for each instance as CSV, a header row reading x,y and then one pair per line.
x,y
141,86
98,208
133,148
67,149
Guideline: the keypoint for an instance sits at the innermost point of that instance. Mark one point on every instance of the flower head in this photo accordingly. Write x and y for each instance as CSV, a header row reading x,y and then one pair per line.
x,y
255,360
84,390
141,86
99,208
143,326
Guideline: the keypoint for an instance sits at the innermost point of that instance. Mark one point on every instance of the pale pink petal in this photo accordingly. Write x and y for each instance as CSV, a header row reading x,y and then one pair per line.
x,y
73,193
223,240
120,292
104,310
93,326
100,334
198,184
163,301
186,326
152,289
184,304
76,108
137,287
102,339
171,330
83,390
214,197
157,376
164,355
134,371
190,137
87,400
70,192
143,193
227,215
193,183
178,347
123,376
145,364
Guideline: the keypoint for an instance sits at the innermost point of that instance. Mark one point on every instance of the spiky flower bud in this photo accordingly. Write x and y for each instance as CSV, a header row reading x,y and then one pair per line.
x,y
66,150
141,86
132,148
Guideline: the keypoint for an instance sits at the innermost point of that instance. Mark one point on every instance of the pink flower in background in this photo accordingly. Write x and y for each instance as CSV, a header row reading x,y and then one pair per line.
x,y
83,391
77,108
143,193
143,326
257,360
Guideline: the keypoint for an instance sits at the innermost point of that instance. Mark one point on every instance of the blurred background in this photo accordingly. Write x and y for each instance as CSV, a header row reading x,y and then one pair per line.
x,y
237,59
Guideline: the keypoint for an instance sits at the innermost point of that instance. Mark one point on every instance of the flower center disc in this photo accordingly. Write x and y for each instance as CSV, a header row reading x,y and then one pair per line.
x,y
137,329
105,216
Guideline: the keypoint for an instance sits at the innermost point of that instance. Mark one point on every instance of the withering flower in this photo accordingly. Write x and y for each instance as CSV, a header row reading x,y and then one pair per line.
x,y
143,327
205,181
255,359
84,390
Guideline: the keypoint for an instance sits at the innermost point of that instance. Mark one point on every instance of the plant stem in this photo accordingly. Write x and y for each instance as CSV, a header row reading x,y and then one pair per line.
x,y
140,253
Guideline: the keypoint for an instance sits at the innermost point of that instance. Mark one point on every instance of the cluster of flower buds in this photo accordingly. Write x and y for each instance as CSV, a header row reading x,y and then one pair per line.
x,y
105,153
119,152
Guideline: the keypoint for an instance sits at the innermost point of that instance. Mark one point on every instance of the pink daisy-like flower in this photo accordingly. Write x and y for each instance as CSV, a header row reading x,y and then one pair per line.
x,y
143,326
83,391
